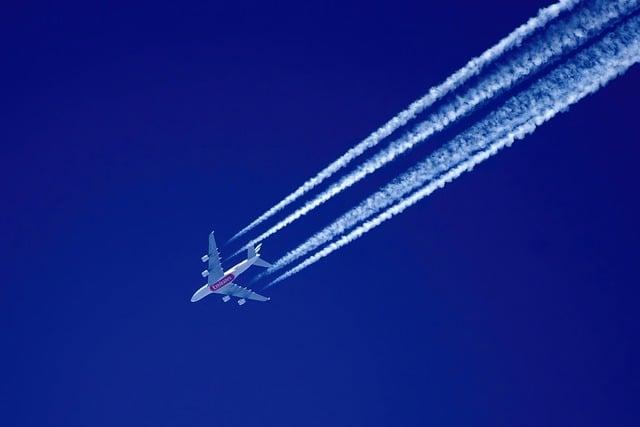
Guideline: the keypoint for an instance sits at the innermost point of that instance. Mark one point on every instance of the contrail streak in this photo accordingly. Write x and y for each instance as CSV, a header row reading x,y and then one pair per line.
x,y
560,38
473,67
568,84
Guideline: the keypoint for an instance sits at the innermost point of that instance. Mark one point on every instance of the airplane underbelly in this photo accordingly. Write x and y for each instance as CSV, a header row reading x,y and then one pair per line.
x,y
222,282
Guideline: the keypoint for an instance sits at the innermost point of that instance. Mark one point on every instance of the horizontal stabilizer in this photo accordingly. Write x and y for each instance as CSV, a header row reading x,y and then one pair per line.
x,y
262,263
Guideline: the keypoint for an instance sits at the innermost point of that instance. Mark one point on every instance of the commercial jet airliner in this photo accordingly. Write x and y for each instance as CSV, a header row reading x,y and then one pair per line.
x,y
221,282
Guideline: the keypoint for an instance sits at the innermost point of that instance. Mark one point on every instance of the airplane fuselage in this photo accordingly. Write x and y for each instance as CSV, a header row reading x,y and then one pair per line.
x,y
241,267
225,280
229,276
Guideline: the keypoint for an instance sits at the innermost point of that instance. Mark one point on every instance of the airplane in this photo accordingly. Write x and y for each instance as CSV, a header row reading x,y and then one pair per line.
x,y
221,282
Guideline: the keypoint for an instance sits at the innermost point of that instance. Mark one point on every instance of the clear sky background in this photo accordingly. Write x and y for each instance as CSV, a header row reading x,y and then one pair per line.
x,y
129,131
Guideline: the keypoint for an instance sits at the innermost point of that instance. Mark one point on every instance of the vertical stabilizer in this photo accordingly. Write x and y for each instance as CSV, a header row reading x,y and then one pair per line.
x,y
253,252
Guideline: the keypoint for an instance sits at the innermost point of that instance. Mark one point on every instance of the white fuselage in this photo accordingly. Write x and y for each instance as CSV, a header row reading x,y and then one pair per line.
x,y
241,267
228,277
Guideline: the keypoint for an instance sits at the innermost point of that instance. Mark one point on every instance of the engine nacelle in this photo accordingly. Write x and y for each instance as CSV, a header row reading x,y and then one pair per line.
x,y
205,258
205,273
226,298
241,301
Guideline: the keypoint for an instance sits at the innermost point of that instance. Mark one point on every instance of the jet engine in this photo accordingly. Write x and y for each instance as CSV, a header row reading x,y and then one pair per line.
x,y
205,273
226,298
205,258
241,301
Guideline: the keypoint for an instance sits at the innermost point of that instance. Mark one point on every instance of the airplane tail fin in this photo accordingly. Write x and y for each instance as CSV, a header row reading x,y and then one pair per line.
x,y
252,252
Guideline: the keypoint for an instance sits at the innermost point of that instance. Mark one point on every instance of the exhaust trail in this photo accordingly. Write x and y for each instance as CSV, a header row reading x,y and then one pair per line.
x,y
569,83
473,67
558,39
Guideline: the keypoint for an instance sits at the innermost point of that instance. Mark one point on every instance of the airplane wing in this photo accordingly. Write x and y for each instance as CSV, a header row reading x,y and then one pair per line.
x,y
215,266
238,291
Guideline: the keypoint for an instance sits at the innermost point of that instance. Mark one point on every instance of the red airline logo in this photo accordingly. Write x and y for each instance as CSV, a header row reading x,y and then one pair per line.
x,y
220,283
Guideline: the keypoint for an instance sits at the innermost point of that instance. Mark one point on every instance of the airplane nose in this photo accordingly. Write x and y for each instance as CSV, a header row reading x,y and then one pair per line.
x,y
200,293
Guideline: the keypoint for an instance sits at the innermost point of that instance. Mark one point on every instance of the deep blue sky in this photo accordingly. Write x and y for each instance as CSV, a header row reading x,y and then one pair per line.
x,y
129,131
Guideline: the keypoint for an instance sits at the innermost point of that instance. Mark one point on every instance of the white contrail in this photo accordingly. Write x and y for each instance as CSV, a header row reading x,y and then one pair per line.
x,y
473,67
568,84
560,38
